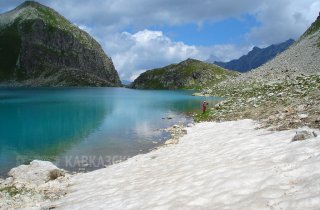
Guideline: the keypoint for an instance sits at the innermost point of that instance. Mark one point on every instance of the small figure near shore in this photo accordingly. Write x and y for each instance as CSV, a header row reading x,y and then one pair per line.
x,y
204,107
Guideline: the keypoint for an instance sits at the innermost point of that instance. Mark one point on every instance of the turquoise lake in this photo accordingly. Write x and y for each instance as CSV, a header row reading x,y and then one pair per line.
x,y
82,129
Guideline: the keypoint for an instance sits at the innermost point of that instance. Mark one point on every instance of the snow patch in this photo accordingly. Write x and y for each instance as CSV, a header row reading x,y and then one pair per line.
x,y
229,165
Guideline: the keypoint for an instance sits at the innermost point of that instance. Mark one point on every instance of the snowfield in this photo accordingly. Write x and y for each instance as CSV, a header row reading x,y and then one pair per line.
x,y
229,165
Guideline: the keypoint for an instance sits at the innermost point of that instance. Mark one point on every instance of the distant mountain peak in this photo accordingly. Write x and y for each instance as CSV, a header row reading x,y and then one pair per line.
x,y
31,10
29,3
33,5
256,57
256,48
302,58
189,60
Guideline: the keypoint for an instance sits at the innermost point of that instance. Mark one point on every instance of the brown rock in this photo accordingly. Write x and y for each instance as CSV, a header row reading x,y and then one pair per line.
x,y
304,135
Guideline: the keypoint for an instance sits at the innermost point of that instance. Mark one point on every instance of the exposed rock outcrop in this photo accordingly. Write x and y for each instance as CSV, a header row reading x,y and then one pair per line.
x,y
33,185
39,47
176,131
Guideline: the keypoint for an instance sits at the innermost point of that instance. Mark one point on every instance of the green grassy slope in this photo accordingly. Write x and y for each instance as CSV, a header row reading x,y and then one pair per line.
x,y
189,74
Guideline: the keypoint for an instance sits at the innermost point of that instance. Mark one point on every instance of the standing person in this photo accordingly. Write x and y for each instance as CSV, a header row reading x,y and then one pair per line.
x,y
204,106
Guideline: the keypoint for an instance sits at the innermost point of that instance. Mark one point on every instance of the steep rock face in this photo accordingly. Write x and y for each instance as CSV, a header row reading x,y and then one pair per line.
x,y
189,74
256,57
39,47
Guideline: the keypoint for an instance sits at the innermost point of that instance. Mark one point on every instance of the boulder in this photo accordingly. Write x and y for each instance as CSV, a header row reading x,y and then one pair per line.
x,y
197,94
172,141
190,125
304,135
38,172
303,116
176,126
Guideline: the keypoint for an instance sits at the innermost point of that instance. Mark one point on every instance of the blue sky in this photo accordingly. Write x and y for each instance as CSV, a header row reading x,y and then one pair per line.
x,y
211,33
143,34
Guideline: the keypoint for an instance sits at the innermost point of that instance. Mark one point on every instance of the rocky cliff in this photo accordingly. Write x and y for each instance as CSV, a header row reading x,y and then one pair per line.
x,y
39,47
189,74
256,57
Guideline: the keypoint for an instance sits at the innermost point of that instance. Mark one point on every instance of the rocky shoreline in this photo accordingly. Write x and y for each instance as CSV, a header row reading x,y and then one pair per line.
x,y
276,105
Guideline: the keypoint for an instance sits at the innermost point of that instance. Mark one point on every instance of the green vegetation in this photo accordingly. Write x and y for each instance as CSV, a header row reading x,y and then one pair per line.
x,y
200,117
53,20
11,190
189,74
315,26
49,16
57,22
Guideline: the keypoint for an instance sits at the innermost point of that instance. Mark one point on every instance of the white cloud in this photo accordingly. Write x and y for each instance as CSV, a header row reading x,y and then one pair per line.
x,y
145,49
85,28
132,53
144,13
281,20
136,74
226,52
135,53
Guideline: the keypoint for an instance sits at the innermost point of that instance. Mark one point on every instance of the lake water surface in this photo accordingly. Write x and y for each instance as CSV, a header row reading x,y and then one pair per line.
x,y
86,128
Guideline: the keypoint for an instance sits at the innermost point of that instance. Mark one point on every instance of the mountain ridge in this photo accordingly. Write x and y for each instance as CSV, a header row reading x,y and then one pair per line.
x,y
302,58
256,57
42,48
